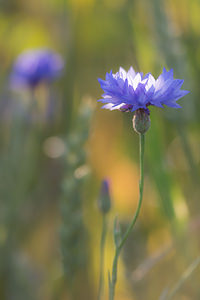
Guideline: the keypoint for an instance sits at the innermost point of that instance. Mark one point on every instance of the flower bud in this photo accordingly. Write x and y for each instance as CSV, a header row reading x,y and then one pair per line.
x,y
141,120
104,200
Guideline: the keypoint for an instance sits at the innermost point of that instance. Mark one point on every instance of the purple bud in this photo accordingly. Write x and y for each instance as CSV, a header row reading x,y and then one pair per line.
x,y
104,200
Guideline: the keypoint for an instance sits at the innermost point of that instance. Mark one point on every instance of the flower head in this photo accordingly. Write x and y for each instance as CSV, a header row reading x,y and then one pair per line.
x,y
130,91
34,66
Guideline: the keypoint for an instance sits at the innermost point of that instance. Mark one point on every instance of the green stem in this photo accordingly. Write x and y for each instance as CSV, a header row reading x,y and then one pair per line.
x,y
188,153
102,246
130,227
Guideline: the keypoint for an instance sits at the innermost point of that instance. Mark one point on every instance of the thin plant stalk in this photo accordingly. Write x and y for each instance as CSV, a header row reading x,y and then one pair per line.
x,y
188,152
102,248
113,279
188,272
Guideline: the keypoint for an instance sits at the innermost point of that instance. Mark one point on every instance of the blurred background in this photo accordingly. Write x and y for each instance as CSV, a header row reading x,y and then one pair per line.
x,y
57,145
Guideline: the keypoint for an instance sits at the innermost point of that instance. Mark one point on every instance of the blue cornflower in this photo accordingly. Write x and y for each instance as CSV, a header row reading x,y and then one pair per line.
x,y
131,91
35,66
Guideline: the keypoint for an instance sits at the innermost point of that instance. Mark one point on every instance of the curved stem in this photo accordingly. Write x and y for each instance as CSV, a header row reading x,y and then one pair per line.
x,y
102,246
130,227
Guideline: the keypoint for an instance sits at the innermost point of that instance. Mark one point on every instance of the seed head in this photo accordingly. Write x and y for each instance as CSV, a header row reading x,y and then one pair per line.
x,y
141,120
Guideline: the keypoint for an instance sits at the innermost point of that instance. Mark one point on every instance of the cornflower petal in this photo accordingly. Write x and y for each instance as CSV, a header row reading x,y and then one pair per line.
x,y
132,91
137,79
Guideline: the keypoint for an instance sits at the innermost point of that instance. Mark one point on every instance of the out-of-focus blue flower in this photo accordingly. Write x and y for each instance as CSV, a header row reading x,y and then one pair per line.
x,y
34,66
130,91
